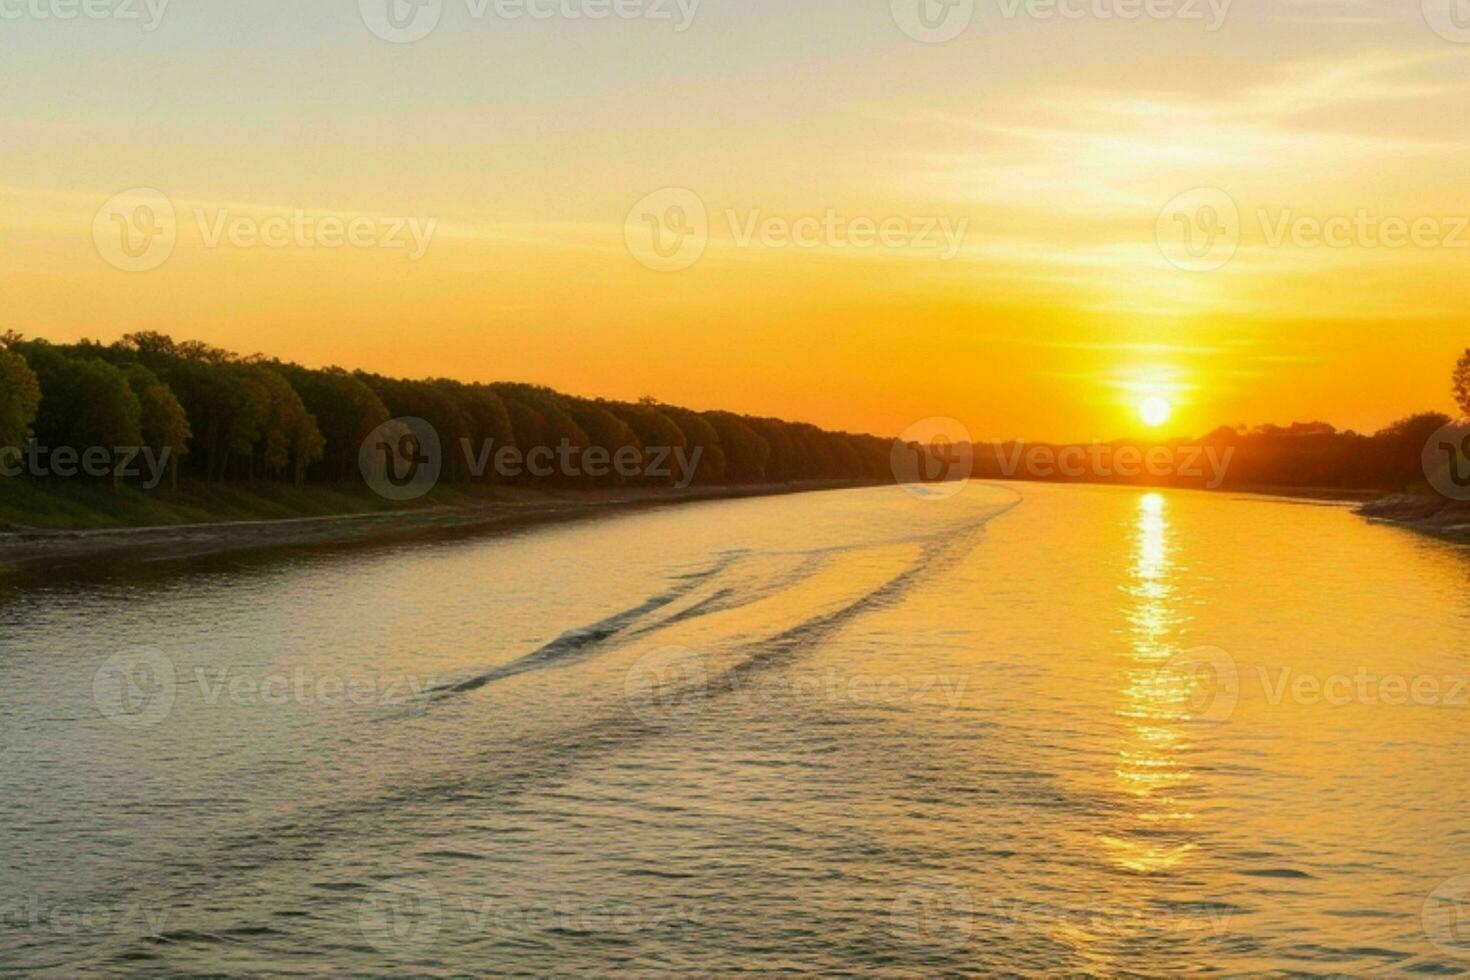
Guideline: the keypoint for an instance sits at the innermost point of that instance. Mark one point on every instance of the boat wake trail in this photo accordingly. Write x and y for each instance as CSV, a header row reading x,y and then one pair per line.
x,y
574,644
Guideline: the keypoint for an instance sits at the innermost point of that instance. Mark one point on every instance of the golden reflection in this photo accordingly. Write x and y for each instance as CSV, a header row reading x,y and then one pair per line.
x,y
1152,763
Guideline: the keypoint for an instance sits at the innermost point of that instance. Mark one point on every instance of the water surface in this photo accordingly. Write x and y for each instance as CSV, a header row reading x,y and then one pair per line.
x,y
1026,727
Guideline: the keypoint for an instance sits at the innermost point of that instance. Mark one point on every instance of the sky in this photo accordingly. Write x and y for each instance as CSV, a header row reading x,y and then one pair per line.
x,y
1030,216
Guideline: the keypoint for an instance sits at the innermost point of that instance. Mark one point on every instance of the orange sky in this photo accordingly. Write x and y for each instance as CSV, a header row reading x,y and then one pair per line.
x,y
1050,149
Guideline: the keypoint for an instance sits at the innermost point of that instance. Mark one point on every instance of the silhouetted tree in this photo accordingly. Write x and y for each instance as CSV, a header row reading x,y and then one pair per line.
x,y
1462,384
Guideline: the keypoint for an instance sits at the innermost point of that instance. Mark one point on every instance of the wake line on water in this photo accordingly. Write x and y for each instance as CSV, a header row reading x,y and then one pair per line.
x,y
577,644
566,648
552,755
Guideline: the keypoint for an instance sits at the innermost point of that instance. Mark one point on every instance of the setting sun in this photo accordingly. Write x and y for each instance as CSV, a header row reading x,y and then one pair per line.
x,y
1155,411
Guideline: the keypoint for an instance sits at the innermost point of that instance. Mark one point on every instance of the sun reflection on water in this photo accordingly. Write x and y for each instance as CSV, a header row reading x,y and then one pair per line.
x,y
1152,761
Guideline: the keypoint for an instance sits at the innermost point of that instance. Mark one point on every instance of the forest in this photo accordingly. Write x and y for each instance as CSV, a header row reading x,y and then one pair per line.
x,y
218,418
223,418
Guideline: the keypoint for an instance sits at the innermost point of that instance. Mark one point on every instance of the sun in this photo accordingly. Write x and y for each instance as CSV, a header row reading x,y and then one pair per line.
x,y
1155,410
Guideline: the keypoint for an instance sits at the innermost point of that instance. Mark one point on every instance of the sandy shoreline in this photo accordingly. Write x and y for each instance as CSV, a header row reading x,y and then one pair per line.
x,y
29,548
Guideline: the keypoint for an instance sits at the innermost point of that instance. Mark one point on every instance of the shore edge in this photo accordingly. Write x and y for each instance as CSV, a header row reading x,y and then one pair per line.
x,y
23,548
1436,516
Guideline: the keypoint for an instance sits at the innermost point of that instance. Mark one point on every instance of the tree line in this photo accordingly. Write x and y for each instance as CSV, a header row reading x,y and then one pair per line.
x,y
226,418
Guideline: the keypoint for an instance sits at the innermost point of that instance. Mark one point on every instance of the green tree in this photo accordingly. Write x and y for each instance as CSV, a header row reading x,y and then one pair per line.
x,y
346,411
162,421
86,403
20,398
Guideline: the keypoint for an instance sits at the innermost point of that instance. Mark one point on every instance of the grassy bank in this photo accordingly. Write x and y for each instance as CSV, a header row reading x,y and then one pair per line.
x,y
71,505
88,524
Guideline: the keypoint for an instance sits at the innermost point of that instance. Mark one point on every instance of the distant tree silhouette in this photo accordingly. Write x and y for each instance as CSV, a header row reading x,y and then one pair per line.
x,y
224,418
1462,384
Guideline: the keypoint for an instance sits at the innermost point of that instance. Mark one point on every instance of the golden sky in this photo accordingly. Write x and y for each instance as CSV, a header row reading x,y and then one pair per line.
x,y
1053,149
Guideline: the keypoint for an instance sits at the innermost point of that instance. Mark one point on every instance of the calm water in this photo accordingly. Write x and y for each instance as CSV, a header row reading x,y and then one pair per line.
x,y
1030,728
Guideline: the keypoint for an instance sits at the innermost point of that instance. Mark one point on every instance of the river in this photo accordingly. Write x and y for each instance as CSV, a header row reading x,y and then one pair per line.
x,y
1022,727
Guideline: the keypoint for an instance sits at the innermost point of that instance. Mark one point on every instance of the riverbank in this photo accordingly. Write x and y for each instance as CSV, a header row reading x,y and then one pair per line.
x,y
1424,513
453,515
